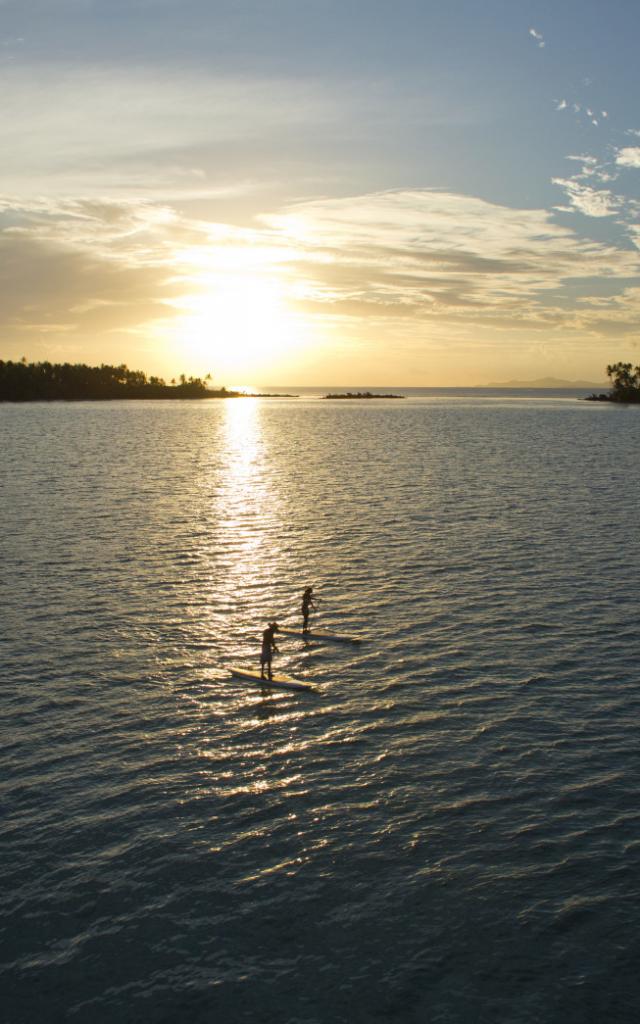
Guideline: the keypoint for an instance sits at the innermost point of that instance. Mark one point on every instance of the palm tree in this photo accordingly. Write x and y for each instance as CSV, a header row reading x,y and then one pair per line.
x,y
625,382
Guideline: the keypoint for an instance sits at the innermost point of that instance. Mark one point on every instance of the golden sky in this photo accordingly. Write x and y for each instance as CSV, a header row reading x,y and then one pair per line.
x,y
320,197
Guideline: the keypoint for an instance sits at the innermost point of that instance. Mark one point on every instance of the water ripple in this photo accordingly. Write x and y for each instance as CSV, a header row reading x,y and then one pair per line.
x,y
446,830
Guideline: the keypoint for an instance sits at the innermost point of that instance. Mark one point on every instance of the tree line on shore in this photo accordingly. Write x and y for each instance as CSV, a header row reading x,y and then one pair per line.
x,y
27,382
625,384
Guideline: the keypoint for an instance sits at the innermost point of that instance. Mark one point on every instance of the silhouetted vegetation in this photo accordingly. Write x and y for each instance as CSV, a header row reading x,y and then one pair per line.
x,y
362,394
625,385
29,382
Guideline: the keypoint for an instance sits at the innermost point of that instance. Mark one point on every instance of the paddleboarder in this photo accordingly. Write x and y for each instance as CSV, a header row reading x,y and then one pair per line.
x,y
307,604
268,647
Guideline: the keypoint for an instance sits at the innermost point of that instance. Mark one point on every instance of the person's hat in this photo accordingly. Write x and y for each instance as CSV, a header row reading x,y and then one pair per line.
x,y
274,625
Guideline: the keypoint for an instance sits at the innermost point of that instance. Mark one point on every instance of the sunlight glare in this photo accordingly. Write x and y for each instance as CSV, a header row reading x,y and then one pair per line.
x,y
240,323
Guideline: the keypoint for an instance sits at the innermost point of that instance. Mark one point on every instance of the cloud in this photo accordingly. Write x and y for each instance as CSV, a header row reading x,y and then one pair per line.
x,y
629,156
584,113
84,269
538,37
592,169
426,254
589,201
70,129
589,163
180,131
90,271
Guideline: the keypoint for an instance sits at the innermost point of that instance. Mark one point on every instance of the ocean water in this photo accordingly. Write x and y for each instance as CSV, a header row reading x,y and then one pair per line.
x,y
447,831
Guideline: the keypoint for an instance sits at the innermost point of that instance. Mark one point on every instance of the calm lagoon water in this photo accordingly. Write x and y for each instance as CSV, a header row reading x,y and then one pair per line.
x,y
448,831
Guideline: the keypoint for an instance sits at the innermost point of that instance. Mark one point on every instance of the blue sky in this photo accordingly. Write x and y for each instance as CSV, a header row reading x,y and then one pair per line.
x,y
321,192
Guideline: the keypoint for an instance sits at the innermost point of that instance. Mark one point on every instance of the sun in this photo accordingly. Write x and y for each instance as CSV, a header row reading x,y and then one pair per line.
x,y
236,317
242,326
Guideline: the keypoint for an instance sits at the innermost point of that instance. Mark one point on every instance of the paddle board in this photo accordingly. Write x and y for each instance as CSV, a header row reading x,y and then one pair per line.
x,y
279,680
320,634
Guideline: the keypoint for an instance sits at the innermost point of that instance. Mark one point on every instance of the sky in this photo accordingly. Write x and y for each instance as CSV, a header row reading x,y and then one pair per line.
x,y
322,191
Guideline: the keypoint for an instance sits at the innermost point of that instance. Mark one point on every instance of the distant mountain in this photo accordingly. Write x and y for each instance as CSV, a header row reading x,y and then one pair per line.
x,y
547,382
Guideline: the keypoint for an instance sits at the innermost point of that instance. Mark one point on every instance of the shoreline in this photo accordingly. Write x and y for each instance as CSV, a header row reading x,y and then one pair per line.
x,y
145,398
612,400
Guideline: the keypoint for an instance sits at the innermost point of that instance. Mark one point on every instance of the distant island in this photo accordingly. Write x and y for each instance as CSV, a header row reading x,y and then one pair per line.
x,y
47,382
625,385
362,394
544,382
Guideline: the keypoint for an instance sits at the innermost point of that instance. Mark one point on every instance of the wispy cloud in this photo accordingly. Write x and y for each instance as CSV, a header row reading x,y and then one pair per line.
x,y
413,257
104,129
589,201
421,255
583,112
538,37
591,169
10,48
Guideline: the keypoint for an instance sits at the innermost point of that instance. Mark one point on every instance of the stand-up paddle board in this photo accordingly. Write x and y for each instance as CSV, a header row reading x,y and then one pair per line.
x,y
320,634
279,681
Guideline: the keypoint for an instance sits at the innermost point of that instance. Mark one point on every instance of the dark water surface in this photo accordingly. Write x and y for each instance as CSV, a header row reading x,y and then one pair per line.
x,y
448,831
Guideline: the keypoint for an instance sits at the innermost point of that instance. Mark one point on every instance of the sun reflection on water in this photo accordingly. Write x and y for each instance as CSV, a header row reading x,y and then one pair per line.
x,y
245,489
247,511
244,545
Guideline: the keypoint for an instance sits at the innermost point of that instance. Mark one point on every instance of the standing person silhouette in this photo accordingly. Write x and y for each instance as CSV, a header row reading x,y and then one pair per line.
x,y
307,604
268,647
